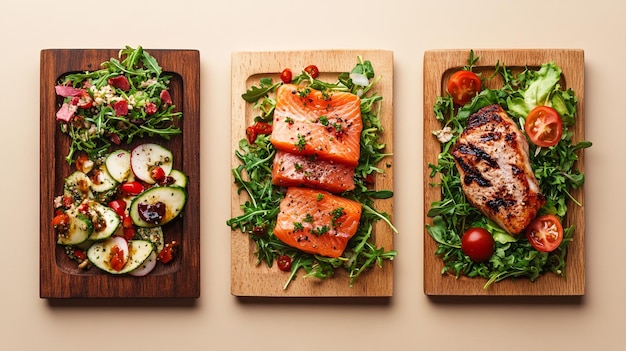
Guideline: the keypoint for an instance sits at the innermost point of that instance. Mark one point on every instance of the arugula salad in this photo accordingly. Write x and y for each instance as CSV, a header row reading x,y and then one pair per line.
x,y
553,156
126,98
254,178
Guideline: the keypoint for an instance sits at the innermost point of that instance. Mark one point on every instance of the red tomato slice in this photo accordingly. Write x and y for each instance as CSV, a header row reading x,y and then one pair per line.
x,y
463,86
544,126
545,233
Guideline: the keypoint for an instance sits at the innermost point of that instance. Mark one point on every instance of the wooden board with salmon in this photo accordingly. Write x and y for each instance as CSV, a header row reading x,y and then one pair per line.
x,y
495,175
305,137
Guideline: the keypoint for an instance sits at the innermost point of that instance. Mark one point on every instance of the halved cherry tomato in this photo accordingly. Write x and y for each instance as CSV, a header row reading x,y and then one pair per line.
x,y
157,173
312,70
132,188
544,126
463,86
121,107
117,259
545,233
478,244
284,263
257,128
286,76
85,100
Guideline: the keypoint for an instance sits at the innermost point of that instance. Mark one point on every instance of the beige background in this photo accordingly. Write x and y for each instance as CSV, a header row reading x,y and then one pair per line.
x,y
408,321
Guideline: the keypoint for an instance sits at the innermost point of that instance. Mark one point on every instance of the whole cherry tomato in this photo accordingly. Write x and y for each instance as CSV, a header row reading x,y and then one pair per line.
x,y
284,263
286,76
477,244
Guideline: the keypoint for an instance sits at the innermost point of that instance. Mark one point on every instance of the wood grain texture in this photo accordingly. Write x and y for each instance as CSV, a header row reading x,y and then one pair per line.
x,y
438,66
59,277
248,279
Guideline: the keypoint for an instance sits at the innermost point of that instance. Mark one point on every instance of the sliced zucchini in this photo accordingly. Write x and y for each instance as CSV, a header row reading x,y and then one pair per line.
x,y
138,252
157,206
180,178
154,235
110,221
145,157
101,180
78,187
80,228
118,165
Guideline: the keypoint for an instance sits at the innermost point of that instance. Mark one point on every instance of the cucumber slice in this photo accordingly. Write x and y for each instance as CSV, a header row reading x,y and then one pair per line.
x,y
118,165
80,228
111,221
101,180
145,157
138,252
78,187
157,206
154,235
180,178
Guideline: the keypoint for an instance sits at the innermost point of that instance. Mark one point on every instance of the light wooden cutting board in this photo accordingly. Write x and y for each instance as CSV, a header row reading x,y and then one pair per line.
x,y
438,66
249,279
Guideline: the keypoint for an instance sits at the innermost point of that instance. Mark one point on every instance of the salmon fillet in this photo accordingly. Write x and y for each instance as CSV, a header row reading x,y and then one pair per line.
x,y
296,170
317,221
492,158
324,124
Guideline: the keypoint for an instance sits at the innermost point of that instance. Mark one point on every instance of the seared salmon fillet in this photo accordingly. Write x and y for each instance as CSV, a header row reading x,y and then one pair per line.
x,y
314,123
297,170
492,158
317,221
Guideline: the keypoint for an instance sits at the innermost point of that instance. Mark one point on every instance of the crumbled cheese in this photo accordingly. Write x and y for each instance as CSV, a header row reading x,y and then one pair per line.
x,y
443,135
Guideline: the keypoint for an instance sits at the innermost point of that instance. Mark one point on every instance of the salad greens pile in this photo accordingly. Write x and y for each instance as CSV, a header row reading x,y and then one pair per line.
x,y
254,177
554,168
148,112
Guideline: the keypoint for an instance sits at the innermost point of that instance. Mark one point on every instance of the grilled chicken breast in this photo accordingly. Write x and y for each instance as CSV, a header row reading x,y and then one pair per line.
x,y
492,158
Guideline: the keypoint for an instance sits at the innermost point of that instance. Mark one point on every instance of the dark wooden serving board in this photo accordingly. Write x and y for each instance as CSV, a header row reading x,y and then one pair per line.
x,y
59,276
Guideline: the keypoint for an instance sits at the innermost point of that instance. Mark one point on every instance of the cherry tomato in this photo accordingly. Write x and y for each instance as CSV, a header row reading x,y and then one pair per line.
x,y
544,126
257,128
478,244
168,252
117,259
85,100
286,76
119,206
150,108
132,188
157,173
463,86
312,70
545,233
284,263
121,107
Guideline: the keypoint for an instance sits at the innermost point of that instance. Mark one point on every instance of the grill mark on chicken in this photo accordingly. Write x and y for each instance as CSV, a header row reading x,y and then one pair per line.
x,y
492,158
